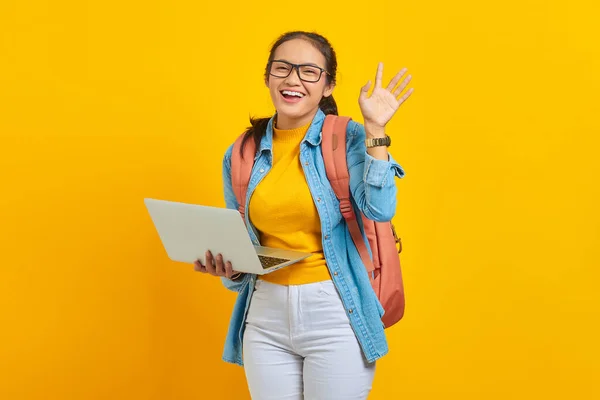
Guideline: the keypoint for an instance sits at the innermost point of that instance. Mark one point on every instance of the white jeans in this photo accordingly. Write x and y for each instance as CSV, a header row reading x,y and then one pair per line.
x,y
299,344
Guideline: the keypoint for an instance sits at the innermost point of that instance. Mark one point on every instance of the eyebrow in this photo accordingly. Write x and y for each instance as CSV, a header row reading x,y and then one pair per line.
x,y
311,64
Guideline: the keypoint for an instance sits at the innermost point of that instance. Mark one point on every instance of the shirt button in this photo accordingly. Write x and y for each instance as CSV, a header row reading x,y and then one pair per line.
x,y
326,237
306,163
319,199
335,273
262,170
350,311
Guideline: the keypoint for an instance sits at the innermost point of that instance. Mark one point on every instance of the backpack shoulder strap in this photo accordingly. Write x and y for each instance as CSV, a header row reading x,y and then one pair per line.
x,y
241,168
334,155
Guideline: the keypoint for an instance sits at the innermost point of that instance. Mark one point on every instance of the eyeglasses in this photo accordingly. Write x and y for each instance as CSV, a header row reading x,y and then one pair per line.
x,y
306,72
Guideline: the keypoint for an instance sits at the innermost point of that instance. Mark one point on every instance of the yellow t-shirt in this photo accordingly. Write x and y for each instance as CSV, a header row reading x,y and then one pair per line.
x,y
282,210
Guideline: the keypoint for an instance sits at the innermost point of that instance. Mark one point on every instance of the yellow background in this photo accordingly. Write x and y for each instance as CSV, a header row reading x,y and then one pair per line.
x,y
103,103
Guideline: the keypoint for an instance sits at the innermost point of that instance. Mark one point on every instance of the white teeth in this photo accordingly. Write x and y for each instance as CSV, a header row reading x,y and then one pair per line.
x,y
290,93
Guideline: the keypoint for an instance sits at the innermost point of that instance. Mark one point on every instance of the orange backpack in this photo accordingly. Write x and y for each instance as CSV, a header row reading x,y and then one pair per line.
x,y
384,268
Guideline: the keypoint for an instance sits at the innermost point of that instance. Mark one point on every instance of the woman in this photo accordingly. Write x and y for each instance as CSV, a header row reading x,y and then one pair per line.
x,y
313,329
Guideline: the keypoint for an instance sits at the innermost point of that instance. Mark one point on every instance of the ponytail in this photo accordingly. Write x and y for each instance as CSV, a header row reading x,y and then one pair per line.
x,y
328,105
256,130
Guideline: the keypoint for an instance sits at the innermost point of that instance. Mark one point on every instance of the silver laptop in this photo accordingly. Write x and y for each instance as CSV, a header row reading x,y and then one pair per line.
x,y
187,231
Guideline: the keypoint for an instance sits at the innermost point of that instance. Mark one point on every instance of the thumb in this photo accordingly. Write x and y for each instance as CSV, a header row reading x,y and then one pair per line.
x,y
364,90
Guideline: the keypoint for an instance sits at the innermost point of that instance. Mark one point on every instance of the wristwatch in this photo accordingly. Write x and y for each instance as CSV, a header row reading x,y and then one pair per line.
x,y
374,142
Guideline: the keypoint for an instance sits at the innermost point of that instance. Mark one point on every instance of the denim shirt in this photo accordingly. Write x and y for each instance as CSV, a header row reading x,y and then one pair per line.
x,y
373,193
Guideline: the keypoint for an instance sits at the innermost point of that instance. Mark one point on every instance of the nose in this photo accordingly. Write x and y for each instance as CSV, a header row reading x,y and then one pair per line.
x,y
294,77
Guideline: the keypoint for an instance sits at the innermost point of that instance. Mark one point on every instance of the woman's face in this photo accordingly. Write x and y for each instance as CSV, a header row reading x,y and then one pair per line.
x,y
296,100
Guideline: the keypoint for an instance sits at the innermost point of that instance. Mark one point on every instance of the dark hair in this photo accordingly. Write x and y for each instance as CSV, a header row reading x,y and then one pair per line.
x,y
328,105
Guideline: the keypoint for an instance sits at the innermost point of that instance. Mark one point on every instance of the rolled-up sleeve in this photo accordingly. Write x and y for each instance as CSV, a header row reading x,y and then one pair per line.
x,y
372,182
377,172
238,284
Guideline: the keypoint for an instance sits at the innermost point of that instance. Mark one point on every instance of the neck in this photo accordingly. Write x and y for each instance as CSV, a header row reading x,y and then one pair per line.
x,y
285,122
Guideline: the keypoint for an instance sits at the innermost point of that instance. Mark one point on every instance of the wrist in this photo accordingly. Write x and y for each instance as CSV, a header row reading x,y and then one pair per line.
x,y
236,276
374,131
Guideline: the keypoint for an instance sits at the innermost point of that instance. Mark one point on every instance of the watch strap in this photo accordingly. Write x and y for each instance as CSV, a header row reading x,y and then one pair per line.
x,y
375,142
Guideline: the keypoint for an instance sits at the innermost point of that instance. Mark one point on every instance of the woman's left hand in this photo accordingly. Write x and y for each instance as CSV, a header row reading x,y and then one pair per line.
x,y
380,107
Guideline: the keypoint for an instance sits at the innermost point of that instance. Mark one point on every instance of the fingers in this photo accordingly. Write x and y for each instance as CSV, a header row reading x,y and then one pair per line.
x,y
390,87
364,90
214,266
406,96
210,263
379,75
402,86
199,267
220,265
228,269
396,79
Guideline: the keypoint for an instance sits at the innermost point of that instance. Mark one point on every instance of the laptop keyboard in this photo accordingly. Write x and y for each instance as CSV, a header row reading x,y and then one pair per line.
x,y
268,262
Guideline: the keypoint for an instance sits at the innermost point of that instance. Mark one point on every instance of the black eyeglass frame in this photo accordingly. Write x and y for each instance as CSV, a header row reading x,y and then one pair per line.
x,y
297,68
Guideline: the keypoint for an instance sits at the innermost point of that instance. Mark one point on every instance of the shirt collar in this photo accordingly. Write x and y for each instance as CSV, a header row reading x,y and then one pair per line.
x,y
313,135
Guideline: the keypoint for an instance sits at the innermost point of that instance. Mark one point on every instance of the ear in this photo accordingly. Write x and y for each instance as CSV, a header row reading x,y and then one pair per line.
x,y
329,90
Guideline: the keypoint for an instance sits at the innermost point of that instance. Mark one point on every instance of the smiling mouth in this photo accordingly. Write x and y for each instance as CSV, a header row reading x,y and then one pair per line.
x,y
291,95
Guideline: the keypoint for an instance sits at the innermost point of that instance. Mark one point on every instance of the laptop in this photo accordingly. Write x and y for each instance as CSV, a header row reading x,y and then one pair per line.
x,y
187,231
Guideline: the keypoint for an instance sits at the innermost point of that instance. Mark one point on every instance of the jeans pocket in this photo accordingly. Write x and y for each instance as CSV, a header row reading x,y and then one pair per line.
x,y
331,300
327,289
255,301
256,293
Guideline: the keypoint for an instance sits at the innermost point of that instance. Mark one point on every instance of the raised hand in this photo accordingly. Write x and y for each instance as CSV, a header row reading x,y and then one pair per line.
x,y
379,108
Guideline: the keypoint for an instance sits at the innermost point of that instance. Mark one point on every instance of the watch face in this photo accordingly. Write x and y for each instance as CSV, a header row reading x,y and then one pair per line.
x,y
383,141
